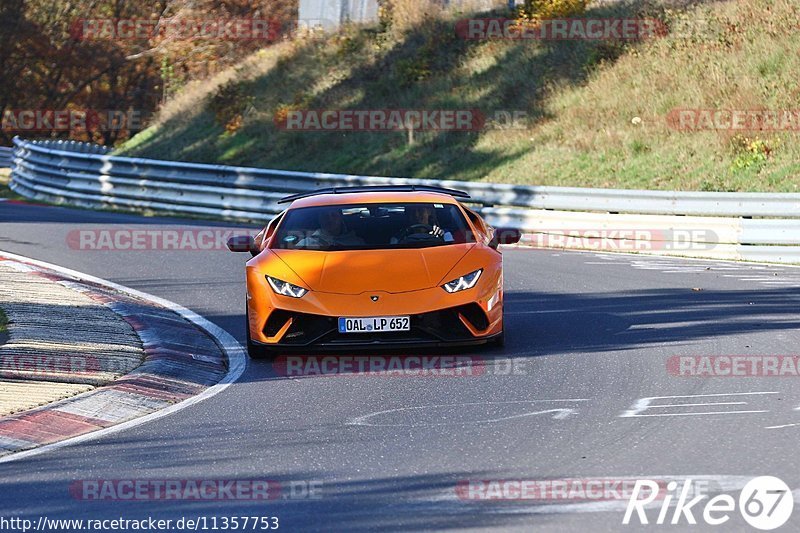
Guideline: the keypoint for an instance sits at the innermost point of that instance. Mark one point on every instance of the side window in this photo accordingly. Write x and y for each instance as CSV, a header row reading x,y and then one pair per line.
x,y
478,222
274,224
264,235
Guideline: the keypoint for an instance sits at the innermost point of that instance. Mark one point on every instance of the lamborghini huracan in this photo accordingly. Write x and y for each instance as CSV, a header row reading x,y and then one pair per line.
x,y
378,266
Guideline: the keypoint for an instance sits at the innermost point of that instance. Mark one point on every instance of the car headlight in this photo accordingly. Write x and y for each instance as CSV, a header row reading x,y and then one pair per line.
x,y
467,281
285,288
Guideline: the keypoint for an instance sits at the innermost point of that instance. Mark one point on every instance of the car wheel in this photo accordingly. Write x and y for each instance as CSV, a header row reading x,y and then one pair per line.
x,y
500,340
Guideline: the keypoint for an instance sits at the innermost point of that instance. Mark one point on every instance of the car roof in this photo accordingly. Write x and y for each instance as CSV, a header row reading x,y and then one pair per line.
x,y
373,198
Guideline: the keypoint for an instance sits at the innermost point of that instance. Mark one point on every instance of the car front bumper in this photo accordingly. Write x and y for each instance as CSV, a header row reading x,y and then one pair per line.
x,y
438,318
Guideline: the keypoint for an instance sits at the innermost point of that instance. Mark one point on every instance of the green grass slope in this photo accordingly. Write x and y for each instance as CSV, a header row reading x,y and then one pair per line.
x,y
596,111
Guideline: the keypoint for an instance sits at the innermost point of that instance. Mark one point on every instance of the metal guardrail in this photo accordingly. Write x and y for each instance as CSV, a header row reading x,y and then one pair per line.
x,y
5,156
86,175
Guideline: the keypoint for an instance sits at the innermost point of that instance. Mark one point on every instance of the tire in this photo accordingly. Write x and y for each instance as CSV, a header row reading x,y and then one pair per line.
x,y
500,340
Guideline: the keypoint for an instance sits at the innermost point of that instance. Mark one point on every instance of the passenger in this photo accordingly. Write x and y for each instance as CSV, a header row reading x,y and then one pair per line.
x,y
331,232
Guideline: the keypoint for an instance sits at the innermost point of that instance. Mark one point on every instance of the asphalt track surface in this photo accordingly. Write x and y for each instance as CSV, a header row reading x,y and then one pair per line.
x,y
588,335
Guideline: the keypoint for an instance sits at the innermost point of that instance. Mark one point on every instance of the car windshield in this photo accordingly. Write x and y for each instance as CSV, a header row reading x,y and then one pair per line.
x,y
372,226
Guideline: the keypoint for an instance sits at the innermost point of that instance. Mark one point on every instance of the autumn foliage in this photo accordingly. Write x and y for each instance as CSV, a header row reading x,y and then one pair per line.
x,y
75,57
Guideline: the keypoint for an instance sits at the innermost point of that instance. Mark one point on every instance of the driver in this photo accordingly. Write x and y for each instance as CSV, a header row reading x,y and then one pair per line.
x,y
421,224
331,232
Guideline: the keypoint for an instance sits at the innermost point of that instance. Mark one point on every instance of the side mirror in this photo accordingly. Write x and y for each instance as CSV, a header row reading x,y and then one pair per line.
x,y
505,236
242,243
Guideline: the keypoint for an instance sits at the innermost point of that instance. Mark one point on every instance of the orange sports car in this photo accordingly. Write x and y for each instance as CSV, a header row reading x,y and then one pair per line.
x,y
362,267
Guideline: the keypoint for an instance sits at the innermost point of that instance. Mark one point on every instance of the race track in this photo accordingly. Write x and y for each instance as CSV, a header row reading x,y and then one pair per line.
x,y
589,336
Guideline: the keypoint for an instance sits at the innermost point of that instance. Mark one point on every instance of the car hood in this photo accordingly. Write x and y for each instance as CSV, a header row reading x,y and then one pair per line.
x,y
357,271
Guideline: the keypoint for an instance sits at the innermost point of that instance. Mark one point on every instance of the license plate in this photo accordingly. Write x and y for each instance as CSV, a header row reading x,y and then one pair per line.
x,y
374,323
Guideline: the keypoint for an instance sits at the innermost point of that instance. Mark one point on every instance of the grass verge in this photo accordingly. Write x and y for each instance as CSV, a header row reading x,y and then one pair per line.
x,y
596,111
5,190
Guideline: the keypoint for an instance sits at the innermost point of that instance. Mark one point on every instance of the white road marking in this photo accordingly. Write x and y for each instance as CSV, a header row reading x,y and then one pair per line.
x,y
712,268
643,404
698,414
558,413
236,359
785,425
782,426
764,273
696,404
642,258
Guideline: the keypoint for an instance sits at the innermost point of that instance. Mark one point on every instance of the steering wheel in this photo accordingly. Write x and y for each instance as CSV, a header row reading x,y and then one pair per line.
x,y
415,229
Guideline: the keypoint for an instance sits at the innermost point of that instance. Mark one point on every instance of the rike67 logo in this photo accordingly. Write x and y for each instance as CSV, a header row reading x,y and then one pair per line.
x,y
765,503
